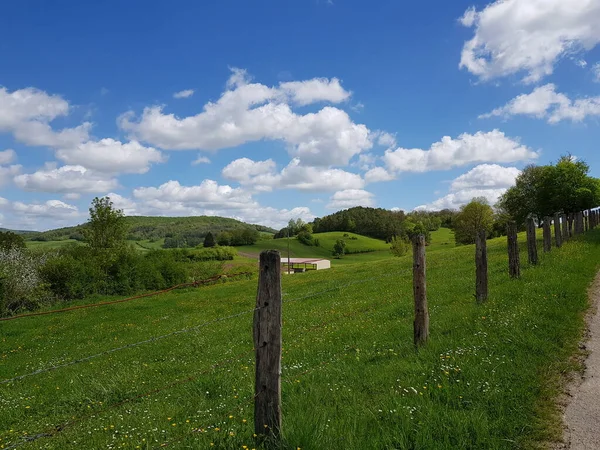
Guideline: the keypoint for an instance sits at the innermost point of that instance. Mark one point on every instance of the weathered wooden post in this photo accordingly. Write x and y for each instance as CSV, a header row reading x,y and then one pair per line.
x,y
514,268
421,323
481,267
579,222
557,236
547,235
267,344
565,227
592,218
531,242
586,220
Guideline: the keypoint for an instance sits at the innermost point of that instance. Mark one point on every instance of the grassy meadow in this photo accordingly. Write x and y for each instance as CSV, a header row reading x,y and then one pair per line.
x,y
167,372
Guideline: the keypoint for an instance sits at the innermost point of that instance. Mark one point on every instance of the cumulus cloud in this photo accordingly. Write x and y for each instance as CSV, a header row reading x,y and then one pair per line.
x,y
184,94
7,156
530,36
65,179
486,180
7,173
249,112
111,156
201,160
493,146
377,174
315,90
349,198
26,113
40,216
545,103
263,176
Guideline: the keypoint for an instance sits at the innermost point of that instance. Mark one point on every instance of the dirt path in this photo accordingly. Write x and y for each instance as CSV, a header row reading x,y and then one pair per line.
x,y
582,414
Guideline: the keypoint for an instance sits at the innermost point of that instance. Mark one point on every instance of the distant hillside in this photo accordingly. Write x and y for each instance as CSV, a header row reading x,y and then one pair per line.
x,y
25,233
152,228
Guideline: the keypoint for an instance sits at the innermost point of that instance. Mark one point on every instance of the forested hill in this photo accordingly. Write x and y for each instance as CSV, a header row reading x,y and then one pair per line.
x,y
145,227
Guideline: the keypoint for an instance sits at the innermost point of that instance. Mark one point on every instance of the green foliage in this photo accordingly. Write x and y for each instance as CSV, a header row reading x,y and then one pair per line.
x,y
308,239
20,285
378,223
106,228
9,240
487,379
156,228
399,246
209,240
339,248
411,229
542,191
474,216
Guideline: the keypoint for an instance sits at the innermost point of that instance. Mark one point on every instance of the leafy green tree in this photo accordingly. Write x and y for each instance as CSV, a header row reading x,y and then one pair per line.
x,y
474,216
339,248
10,240
209,240
106,227
541,191
224,238
399,246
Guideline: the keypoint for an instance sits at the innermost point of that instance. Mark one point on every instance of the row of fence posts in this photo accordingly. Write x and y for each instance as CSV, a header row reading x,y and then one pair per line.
x,y
268,311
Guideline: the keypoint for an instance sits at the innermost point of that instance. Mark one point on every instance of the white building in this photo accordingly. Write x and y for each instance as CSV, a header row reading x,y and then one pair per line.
x,y
304,264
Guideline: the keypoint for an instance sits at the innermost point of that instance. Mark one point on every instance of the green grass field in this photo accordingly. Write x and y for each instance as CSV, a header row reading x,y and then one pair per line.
x,y
487,379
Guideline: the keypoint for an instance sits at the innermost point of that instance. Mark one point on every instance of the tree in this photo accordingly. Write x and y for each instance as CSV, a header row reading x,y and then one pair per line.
x,y
209,240
106,227
10,240
339,248
224,238
399,246
541,191
474,216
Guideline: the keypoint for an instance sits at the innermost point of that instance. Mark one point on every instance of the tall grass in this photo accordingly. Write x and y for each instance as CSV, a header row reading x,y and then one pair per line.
x,y
487,379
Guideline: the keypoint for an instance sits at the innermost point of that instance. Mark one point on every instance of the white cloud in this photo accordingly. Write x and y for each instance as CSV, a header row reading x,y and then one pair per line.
x,y
249,112
455,200
206,195
492,146
513,36
349,198
7,156
7,173
377,174
27,113
486,176
128,206
486,180
596,72
201,160
315,90
545,102
54,210
111,156
184,94
262,176
65,179
386,139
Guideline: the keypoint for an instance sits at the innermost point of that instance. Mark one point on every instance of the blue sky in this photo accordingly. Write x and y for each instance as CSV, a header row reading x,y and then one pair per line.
x,y
271,110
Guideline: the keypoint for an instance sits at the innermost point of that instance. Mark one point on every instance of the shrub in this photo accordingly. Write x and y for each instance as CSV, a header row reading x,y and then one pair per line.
x,y
20,284
399,246
339,248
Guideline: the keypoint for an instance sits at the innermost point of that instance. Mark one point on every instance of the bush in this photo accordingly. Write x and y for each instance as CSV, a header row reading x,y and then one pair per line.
x,y
339,248
307,238
399,246
20,283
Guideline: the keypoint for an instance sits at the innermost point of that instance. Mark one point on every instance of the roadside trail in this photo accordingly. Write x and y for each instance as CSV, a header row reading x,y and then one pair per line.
x,y
582,414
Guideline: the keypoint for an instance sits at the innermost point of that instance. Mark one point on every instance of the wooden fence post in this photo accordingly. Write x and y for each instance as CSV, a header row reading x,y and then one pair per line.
x,y
592,218
481,267
570,220
565,227
531,242
557,236
586,220
267,344
514,269
579,222
547,234
421,323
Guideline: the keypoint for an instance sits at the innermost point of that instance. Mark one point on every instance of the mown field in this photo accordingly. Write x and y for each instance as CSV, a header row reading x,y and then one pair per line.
x,y
176,370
